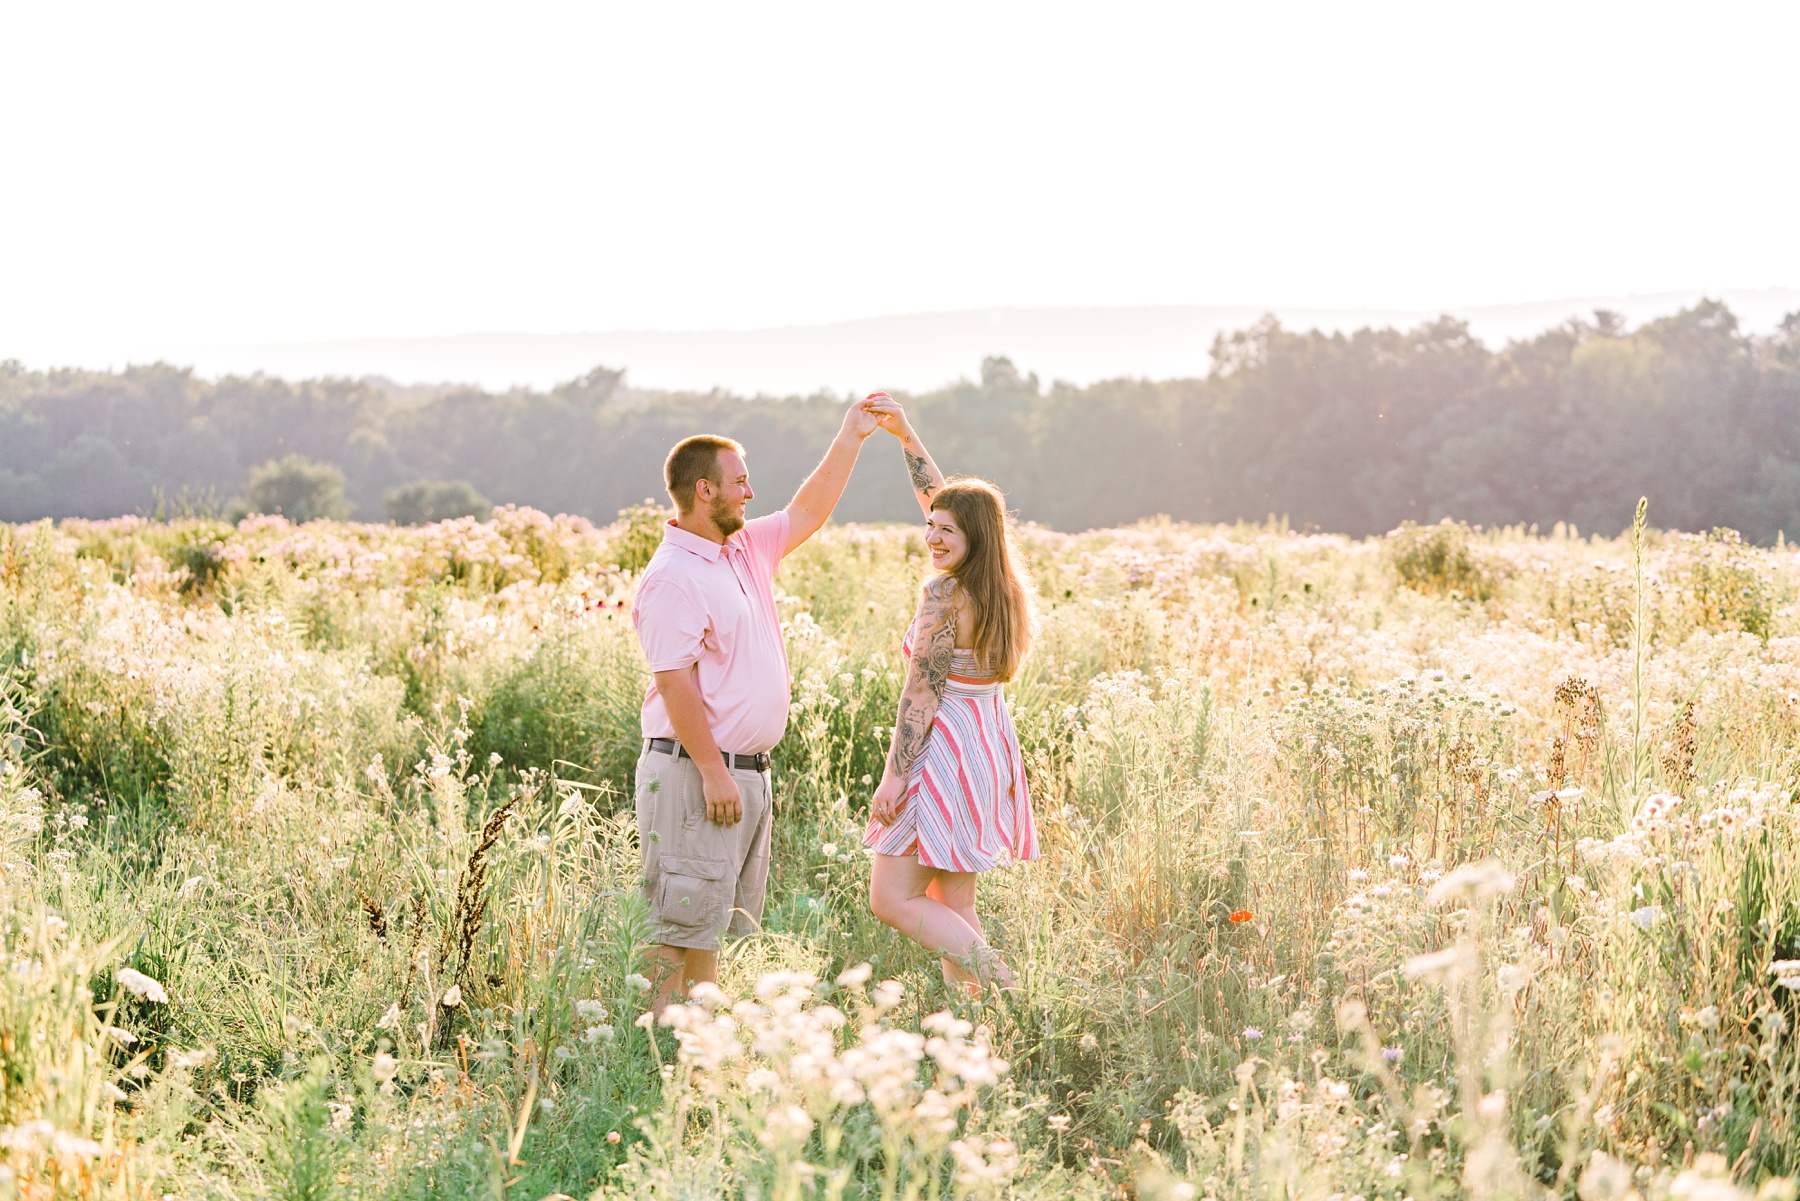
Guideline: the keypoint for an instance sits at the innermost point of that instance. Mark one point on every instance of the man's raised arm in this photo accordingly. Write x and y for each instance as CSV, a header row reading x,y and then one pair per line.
x,y
818,496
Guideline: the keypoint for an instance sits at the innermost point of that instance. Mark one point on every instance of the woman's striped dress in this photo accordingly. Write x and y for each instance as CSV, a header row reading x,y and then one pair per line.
x,y
967,806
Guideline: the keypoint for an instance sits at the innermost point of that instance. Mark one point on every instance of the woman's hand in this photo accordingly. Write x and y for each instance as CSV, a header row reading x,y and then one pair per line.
x,y
889,800
892,418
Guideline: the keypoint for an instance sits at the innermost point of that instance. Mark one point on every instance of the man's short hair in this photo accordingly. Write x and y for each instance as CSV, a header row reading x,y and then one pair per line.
x,y
694,459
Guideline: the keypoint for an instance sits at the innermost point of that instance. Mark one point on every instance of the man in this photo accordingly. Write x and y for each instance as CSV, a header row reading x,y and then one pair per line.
x,y
719,694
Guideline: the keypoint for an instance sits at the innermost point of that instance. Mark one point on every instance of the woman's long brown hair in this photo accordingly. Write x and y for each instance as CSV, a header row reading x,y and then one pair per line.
x,y
989,574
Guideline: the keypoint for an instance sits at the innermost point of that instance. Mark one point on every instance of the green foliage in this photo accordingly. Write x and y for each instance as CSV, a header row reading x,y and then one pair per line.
x,y
637,534
302,1149
200,552
1440,560
574,703
296,488
1726,591
426,501
1353,432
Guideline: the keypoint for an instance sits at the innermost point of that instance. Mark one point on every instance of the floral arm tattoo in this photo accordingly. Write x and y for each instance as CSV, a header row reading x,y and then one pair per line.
x,y
936,629
926,478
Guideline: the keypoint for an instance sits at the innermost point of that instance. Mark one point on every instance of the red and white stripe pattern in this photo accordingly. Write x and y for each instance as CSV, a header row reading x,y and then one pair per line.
x,y
967,805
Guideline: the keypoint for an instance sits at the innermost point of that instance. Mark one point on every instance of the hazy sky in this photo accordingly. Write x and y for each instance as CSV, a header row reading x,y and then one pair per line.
x,y
179,174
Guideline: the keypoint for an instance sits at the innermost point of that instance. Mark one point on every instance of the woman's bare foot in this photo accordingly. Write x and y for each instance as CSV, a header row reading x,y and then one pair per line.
x,y
973,972
959,981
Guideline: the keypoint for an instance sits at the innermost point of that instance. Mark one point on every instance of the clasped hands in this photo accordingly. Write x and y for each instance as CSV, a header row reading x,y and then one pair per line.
x,y
875,411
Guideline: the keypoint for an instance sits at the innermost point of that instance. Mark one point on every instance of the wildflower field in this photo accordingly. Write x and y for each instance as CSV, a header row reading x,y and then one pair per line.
x,y
1449,862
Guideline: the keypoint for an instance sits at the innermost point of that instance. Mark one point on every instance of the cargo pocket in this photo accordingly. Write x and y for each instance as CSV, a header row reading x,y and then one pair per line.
x,y
692,890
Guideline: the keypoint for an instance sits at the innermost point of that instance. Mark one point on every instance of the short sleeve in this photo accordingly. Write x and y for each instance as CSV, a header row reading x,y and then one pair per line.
x,y
765,539
671,627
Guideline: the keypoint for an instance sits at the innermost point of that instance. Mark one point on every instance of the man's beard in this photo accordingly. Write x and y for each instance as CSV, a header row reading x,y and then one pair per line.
x,y
728,522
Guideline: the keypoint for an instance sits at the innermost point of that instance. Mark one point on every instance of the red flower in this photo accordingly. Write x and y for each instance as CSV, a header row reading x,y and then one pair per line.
x,y
1241,915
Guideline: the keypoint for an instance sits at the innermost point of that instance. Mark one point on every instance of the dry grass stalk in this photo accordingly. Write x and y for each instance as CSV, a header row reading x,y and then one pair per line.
x,y
1578,716
471,898
412,953
1678,760
373,911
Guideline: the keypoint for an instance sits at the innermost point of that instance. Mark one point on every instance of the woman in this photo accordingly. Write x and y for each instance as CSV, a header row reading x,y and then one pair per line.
x,y
952,802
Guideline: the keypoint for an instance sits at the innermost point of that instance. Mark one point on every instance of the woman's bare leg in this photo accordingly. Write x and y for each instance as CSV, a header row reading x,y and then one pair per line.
x,y
937,910
955,891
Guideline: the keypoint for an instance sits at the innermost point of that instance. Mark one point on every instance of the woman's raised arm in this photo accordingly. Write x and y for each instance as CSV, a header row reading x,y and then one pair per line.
x,y
926,478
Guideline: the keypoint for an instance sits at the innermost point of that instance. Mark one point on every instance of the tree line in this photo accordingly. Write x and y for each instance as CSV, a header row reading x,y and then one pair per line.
x,y
1349,432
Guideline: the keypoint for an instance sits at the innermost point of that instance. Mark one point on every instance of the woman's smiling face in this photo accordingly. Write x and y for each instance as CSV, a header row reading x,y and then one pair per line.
x,y
946,541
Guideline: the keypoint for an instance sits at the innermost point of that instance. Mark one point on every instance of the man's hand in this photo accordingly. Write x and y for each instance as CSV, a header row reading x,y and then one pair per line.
x,y
889,801
724,801
869,414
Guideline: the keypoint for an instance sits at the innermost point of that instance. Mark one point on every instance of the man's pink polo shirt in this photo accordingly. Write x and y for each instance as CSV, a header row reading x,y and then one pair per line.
x,y
714,605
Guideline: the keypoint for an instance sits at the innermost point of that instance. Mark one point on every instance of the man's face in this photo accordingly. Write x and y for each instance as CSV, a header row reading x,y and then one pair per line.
x,y
731,494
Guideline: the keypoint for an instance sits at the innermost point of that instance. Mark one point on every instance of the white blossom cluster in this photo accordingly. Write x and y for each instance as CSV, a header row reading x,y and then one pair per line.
x,y
791,1060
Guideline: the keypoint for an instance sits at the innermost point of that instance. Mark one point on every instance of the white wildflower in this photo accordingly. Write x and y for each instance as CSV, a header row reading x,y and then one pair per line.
x,y
786,1125
141,985
67,1146
1513,977
887,995
1437,962
984,1163
1604,1178
1708,1180
1478,881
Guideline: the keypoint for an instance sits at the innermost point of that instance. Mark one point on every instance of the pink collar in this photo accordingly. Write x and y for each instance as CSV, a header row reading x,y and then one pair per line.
x,y
706,548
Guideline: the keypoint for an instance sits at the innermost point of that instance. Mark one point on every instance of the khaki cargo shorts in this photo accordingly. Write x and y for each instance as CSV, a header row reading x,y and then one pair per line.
x,y
699,876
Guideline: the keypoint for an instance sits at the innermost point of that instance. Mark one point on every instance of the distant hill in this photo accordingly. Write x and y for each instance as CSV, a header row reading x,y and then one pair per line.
x,y
916,351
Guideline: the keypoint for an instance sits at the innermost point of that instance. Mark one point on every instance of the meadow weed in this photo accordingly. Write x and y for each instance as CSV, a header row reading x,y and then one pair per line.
x,y
1450,863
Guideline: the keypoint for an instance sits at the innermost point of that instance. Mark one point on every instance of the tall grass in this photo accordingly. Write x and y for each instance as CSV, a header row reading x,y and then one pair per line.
x,y
1359,879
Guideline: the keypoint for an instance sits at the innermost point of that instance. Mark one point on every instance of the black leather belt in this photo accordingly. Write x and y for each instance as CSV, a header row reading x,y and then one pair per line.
x,y
668,746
